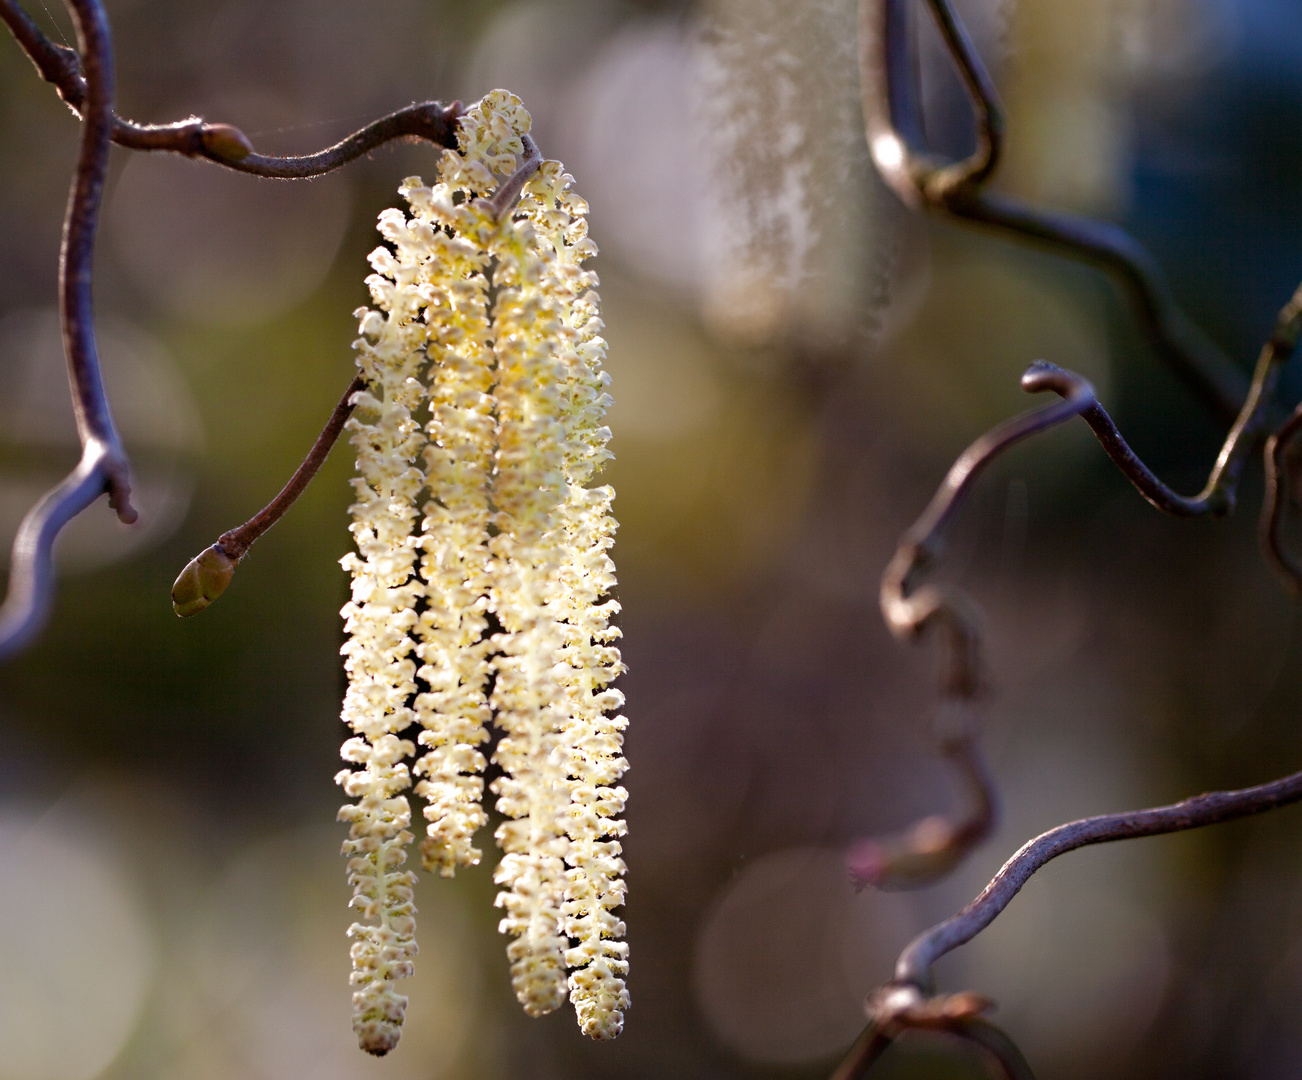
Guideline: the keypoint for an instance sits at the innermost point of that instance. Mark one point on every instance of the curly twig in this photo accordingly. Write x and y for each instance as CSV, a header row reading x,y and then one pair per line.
x,y
895,1009
913,969
206,576
225,144
103,466
934,845
1276,495
892,116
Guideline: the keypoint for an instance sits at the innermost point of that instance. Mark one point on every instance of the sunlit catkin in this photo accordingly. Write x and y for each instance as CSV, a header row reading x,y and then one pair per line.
x,y
483,562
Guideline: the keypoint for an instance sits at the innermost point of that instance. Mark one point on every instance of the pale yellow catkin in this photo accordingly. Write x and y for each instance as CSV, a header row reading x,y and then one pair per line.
x,y
507,530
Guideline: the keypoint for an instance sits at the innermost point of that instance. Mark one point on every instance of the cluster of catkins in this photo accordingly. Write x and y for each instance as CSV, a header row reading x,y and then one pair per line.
x,y
482,560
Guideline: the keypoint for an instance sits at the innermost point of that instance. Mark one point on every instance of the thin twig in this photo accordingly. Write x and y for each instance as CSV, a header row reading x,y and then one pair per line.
x,y
893,121
1005,1054
103,466
1276,496
914,965
933,846
206,576
872,1042
909,610
951,1015
225,144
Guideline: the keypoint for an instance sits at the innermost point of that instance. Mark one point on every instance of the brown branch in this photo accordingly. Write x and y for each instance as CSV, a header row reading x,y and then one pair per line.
x,y
508,193
935,845
923,180
1218,494
206,576
1276,496
932,847
225,144
872,1042
913,969
894,1010
103,466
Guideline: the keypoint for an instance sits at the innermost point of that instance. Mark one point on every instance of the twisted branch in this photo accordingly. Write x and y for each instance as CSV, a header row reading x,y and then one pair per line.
x,y
894,1010
225,144
935,844
1272,507
923,180
913,969
103,466
909,609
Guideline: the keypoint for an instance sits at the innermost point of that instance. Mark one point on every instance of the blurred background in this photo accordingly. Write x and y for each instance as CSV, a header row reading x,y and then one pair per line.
x,y
795,361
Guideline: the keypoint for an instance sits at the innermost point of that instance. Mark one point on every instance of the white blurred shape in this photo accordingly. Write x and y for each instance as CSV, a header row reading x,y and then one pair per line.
x,y
75,951
220,248
155,415
787,953
639,163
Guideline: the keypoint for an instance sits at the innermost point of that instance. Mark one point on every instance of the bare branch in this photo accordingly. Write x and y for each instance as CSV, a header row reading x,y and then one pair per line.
x,y
206,576
923,180
935,845
31,565
932,847
1218,494
995,1042
895,1009
103,466
84,79
1272,507
225,144
913,969
873,1041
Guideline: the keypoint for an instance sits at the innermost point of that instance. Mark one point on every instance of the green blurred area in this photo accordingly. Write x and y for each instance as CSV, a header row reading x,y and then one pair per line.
x,y
795,363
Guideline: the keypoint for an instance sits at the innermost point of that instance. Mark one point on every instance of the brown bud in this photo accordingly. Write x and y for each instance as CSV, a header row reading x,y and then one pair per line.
x,y
225,142
204,578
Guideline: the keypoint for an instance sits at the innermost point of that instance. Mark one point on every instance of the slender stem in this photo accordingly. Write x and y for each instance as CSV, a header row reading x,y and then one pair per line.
x,y
923,180
225,144
1004,1053
868,1047
933,846
76,307
1272,507
914,965
31,565
103,466
235,542
908,610
208,574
